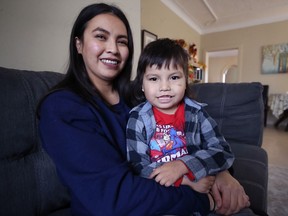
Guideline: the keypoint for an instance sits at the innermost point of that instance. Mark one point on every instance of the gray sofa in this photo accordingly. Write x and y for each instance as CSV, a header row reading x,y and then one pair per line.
x,y
239,111
28,181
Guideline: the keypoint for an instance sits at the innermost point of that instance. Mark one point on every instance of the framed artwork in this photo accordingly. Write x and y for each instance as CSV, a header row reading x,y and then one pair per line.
x,y
275,59
147,37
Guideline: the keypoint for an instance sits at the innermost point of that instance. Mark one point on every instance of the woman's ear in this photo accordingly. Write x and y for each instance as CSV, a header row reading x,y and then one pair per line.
x,y
78,44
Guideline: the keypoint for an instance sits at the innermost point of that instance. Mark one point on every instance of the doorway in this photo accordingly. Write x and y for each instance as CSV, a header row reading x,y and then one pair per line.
x,y
222,66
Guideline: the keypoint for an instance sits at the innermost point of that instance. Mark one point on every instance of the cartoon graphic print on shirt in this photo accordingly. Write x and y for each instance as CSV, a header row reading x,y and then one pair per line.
x,y
167,144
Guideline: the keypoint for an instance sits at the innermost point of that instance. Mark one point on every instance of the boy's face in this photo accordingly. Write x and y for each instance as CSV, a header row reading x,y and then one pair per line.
x,y
164,88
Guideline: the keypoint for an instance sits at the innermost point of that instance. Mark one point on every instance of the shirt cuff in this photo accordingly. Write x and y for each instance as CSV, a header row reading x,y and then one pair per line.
x,y
178,182
190,176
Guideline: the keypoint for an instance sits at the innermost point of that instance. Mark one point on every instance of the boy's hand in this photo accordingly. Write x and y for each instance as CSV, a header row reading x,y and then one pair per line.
x,y
204,185
169,172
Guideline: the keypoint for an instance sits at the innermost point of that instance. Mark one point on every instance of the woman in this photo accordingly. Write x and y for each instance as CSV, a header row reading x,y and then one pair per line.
x,y
82,126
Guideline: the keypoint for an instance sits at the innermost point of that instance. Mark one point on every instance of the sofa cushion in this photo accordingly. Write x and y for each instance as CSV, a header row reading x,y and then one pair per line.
x,y
28,181
236,107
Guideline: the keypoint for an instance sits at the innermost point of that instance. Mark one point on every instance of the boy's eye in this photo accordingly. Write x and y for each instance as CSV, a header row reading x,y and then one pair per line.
x,y
152,79
175,77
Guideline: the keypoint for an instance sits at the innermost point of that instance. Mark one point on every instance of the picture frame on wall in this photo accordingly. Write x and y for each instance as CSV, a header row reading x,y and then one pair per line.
x,y
275,59
148,37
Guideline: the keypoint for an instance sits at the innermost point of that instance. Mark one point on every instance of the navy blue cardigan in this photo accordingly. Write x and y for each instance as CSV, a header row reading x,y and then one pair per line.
x,y
89,152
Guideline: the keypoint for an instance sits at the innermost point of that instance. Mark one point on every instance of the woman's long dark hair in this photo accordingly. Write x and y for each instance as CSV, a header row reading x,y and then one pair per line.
x,y
160,53
76,78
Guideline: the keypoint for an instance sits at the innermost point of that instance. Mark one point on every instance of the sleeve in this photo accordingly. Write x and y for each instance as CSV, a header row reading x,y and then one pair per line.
x,y
138,151
211,154
99,179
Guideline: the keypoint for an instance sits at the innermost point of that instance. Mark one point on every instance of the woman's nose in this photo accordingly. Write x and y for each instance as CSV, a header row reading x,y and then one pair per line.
x,y
112,47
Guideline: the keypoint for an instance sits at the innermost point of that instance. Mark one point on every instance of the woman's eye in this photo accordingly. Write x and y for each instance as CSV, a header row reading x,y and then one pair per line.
x,y
123,42
100,37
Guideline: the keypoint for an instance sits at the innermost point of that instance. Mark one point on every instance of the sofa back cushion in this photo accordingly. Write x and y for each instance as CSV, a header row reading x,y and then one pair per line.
x,y
28,181
236,107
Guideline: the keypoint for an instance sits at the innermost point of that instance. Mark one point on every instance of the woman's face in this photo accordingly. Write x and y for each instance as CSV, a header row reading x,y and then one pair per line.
x,y
104,48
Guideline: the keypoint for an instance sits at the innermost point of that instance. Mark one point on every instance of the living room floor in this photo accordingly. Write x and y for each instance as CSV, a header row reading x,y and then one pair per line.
x,y
275,142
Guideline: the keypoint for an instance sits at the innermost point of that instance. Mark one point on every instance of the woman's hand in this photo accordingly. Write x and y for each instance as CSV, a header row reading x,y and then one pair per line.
x,y
229,195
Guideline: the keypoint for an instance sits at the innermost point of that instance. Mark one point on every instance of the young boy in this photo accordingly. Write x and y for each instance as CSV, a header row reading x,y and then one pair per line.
x,y
170,135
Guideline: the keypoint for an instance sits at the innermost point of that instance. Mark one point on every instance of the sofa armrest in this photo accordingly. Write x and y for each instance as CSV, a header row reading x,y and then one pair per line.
x,y
251,170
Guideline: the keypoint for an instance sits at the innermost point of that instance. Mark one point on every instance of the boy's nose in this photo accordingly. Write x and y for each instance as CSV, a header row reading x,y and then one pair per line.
x,y
165,86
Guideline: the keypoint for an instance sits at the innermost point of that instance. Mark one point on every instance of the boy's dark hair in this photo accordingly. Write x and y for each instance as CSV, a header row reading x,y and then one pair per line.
x,y
160,53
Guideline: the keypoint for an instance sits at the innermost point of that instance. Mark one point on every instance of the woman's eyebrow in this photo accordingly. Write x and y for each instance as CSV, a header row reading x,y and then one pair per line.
x,y
107,32
100,29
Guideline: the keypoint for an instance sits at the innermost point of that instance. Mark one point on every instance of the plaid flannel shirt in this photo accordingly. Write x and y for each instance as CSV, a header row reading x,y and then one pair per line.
x,y
208,151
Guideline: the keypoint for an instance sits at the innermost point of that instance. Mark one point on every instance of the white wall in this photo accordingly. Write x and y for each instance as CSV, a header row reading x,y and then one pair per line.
x,y
34,34
250,41
160,20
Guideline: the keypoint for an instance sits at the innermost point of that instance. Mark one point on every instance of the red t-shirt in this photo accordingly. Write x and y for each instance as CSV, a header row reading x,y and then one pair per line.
x,y
168,142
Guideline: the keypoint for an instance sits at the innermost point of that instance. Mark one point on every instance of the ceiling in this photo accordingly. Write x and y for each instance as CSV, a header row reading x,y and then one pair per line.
x,y
208,16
